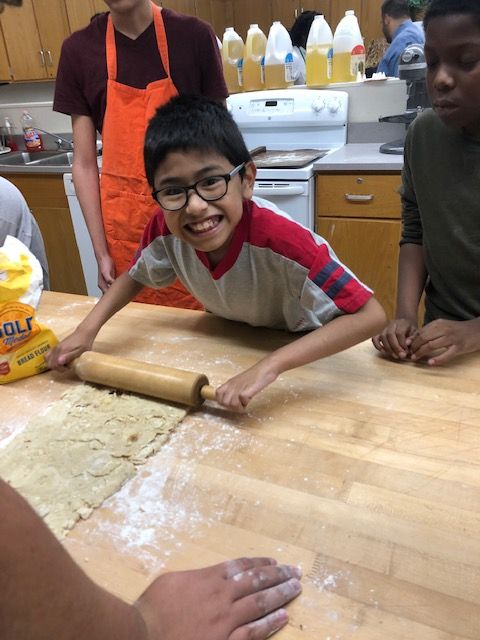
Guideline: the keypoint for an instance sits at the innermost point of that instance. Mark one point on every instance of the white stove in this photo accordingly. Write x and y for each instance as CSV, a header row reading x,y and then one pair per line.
x,y
282,119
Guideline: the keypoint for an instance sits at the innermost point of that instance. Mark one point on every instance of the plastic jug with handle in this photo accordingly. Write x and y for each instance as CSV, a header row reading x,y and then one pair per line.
x,y
319,53
348,50
232,59
255,46
278,65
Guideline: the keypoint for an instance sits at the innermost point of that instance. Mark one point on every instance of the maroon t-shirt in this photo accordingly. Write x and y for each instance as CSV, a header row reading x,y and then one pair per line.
x,y
195,64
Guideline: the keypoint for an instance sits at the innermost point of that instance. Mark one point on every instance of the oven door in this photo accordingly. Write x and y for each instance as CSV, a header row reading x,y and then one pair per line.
x,y
295,197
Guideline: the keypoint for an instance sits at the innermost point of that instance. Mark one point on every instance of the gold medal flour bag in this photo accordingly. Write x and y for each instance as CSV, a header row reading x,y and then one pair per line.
x,y
23,341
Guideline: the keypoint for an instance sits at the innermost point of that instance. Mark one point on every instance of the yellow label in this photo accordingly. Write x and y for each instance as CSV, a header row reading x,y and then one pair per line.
x,y
29,359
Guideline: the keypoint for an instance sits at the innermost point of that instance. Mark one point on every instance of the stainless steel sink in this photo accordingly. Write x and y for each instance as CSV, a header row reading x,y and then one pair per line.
x,y
37,158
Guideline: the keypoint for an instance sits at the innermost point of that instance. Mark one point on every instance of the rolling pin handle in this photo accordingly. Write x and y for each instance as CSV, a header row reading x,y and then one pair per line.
x,y
207,392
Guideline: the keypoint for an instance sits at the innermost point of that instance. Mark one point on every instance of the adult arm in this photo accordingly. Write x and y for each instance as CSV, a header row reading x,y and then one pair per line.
x,y
87,188
45,594
122,291
340,333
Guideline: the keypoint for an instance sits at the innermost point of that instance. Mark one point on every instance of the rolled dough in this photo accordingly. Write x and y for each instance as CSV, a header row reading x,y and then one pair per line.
x,y
68,461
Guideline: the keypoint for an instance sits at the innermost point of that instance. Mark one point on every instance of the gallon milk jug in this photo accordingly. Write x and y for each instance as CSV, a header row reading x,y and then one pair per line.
x,y
32,138
348,50
253,59
319,53
232,55
278,66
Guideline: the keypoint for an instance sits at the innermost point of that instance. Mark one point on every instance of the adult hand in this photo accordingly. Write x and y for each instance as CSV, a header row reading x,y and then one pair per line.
x,y
395,339
237,392
236,600
69,349
106,272
450,337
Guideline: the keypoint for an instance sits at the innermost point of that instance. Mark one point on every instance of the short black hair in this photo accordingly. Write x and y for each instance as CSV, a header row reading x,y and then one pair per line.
x,y
188,123
396,9
301,27
442,8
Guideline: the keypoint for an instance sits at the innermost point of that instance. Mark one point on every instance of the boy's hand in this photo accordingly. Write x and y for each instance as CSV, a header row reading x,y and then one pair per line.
x,y
237,392
395,339
451,337
106,273
69,349
236,600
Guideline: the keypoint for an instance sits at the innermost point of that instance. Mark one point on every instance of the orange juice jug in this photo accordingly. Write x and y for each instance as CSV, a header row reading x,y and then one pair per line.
x,y
348,50
232,60
254,54
319,53
278,65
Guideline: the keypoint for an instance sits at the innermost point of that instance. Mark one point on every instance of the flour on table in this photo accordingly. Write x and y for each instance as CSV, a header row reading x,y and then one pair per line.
x,y
66,462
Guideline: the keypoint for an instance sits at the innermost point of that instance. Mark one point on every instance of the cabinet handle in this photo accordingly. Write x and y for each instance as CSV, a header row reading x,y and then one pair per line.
x,y
50,59
352,197
296,13
42,58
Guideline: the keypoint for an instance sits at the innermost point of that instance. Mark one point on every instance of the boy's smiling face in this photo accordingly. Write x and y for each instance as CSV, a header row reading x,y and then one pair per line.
x,y
452,51
206,226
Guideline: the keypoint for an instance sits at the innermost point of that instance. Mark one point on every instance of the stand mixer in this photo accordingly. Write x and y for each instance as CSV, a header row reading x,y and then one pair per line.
x,y
411,68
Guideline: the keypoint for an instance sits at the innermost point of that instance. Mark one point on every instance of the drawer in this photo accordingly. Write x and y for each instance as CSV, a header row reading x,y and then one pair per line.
x,y
356,195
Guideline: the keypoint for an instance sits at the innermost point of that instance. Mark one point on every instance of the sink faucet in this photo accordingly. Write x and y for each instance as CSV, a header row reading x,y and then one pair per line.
x,y
58,139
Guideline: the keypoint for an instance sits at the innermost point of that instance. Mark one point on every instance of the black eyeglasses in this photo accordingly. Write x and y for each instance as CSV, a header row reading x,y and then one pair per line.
x,y
209,189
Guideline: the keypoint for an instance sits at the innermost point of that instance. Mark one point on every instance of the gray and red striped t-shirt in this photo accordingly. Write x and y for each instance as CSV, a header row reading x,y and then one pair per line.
x,y
275,274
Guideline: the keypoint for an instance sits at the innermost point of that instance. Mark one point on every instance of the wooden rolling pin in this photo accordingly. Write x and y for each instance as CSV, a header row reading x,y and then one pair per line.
x,y
175,385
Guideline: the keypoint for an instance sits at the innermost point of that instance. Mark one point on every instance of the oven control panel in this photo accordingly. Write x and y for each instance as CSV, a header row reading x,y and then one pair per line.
x,y
276,107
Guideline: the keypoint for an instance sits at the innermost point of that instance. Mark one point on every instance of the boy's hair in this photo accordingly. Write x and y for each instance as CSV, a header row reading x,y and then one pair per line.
x,y
191,123
442,8
301,28
396,9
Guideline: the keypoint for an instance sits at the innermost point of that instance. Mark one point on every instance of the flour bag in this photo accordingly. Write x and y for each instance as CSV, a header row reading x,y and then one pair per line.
x,y
23,341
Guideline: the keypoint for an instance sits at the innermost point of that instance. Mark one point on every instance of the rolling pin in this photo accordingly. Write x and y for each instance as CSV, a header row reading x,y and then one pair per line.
x,y
175,385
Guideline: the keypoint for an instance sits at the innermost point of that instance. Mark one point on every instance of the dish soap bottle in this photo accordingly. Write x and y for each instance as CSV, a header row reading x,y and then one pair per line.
x,y
32,138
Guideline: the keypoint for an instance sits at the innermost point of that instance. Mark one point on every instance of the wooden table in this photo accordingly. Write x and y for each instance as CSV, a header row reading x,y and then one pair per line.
x,y
363,471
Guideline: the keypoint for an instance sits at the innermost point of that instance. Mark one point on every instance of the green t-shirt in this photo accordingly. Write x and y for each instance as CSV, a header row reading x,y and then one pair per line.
x,y
441,211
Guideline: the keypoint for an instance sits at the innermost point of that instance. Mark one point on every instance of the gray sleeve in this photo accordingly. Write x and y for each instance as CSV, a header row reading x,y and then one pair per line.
x,y
412,231
17,220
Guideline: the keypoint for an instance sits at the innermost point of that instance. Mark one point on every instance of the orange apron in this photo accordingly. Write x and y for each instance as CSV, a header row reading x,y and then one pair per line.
x,y
127,204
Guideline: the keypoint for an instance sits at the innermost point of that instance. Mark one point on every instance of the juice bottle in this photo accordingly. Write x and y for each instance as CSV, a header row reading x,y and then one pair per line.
x,y
232,59
253,58
32,138
319,53
348,50
278,66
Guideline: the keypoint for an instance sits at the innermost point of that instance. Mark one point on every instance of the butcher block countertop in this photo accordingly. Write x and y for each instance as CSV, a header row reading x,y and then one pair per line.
x,y
364,471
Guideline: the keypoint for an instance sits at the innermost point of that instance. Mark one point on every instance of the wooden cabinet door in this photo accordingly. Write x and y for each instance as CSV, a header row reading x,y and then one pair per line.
x,y
217,12
182,6
4,62
79,14
286,11
22,40
97,6
370,249
370,21
247,12
52,21
322,6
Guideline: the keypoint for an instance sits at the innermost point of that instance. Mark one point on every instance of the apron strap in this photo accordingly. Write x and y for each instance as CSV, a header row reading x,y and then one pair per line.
x,y
111,50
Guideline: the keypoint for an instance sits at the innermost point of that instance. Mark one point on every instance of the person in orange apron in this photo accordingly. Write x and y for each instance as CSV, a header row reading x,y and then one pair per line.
x,y
127,204
112,76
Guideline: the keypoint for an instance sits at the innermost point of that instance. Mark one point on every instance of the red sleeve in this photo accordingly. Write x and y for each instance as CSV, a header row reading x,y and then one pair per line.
x,y
154,229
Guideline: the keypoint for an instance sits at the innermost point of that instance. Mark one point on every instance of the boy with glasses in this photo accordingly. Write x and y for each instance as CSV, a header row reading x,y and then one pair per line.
x,y
241,259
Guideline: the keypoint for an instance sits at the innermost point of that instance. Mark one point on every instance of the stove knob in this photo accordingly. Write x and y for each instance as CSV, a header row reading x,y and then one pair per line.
x,y
318,105
334,105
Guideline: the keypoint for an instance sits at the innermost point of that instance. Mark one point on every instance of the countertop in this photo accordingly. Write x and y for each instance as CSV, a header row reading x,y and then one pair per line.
x,y
359,157
364,471
351,157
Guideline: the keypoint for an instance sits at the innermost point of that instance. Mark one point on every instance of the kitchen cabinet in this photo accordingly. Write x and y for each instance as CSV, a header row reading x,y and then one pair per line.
x,y
359,215
33,36
46,198
182,6
4,62
218,13
247,12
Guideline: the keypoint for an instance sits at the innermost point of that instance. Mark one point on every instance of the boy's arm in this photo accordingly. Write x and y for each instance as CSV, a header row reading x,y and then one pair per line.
x,y
396,337
122,291
45,594
87,188
340,333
